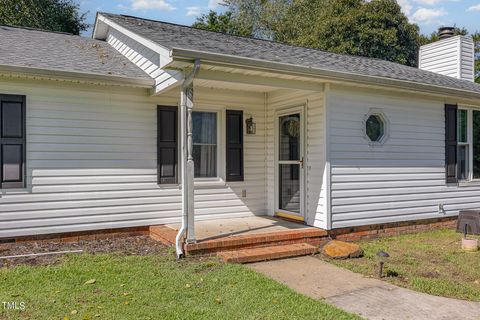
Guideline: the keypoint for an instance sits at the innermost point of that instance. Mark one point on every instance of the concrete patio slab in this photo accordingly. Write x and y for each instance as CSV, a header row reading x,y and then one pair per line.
x,y
210,229
369,298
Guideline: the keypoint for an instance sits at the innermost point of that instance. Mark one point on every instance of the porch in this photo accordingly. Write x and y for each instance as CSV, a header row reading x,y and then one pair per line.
x,y
247,239
259,152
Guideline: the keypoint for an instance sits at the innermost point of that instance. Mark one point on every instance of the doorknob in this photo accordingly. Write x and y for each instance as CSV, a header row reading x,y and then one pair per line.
x,y
301,163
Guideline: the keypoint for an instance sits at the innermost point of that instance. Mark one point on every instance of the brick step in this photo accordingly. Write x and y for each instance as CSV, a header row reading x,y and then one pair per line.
x,y
267,253
313,236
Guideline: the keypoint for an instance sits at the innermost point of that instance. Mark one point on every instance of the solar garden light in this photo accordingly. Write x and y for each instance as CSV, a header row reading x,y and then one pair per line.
x,y
382,257
470,245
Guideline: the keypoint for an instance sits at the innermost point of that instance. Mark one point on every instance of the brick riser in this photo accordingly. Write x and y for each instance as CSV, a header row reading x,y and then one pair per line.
x,y
311,241
267,253
311,236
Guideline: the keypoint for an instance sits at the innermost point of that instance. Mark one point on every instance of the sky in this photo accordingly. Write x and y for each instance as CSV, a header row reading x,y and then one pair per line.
x,y
428,14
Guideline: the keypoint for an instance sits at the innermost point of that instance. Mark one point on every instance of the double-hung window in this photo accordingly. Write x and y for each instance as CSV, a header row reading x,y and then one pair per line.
x,y
463,148
205,144
206,151
12,141
468,144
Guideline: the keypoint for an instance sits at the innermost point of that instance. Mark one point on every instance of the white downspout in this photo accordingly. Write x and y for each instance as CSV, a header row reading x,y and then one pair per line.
x,y
187,161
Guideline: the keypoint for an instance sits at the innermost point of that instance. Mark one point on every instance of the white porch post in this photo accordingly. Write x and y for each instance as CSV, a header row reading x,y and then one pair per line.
x,y
187,160
186,147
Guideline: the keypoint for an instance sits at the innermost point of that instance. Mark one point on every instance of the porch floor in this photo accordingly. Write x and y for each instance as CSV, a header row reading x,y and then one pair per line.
x,y
247,239
221,228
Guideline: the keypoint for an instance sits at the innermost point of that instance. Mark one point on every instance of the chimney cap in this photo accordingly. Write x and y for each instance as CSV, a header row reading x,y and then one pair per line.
x,y
446,32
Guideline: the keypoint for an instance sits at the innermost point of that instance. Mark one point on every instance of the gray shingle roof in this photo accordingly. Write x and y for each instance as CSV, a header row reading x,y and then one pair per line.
x,y
183,37
24,47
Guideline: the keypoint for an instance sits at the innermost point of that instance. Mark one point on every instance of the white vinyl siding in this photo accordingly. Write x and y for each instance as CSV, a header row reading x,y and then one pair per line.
x,y
91,161
403,179
315,196
467,66
226,198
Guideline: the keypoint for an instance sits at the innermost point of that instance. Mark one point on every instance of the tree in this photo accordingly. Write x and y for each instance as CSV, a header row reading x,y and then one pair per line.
x,y
223,22
375,28
476,39
53,15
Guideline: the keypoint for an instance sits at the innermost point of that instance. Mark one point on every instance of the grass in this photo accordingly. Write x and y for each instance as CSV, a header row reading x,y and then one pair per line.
x,y
430,262
152,287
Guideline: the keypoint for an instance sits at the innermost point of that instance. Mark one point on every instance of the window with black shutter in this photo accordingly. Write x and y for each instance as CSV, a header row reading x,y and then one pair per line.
x,y
12,141
234,145
451,143
167,144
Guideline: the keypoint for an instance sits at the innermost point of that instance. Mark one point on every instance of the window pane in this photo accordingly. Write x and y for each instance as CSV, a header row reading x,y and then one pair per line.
x,y
204,127
289,138
205,161
462,125
204,144
374,128
289,190
476,144
462,162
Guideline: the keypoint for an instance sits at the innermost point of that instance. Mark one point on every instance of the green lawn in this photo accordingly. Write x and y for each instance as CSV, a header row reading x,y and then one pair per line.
x,y
430,262
152,287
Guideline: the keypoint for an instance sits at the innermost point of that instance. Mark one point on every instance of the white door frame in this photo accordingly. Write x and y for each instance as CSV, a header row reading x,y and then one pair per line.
x,y
279,113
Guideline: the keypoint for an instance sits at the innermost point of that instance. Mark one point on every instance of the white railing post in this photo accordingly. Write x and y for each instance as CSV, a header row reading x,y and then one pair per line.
x,y
189,170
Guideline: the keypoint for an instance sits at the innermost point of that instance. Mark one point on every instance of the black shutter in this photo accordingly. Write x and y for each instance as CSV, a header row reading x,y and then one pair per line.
x,y
451,143
167,144
234,145
12,141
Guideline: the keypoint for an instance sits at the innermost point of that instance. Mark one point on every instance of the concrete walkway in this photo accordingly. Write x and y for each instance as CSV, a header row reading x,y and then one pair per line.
x,y
369,298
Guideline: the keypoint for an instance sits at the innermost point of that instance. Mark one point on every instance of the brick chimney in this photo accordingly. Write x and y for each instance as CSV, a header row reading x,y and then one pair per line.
x,y
451,55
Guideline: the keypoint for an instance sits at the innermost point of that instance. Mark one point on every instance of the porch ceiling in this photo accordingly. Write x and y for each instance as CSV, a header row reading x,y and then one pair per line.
x,y
247,79
213,84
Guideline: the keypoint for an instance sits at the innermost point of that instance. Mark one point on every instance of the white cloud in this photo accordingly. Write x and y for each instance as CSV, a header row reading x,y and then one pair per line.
x,y
213,4
193,11
406,6
428,16
428,2
474,8
197,10
161,5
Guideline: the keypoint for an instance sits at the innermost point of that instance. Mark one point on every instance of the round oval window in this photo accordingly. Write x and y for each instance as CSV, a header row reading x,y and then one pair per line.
x,y
375,128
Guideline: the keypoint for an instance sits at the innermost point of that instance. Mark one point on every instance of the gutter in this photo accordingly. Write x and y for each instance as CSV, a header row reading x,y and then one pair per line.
x,y
186,212
75,76
188,55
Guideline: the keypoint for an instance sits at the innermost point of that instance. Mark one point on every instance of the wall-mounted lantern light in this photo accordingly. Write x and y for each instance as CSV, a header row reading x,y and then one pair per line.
x,y
251,126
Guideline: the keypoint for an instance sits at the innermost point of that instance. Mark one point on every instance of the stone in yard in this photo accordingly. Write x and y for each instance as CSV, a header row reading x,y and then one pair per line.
x,y
342,250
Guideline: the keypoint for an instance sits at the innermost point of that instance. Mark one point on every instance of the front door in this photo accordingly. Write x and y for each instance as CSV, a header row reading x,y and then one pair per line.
x,y
289,164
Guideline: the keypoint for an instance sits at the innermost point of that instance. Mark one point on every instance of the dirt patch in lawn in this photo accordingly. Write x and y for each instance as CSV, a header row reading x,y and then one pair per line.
x,y
137,245
430,262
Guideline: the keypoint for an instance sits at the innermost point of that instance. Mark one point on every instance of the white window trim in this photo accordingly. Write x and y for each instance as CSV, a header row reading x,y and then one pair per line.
x,y
386,127
469,142
220,110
